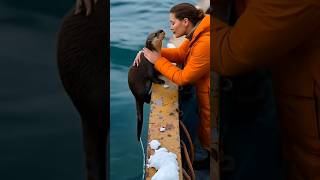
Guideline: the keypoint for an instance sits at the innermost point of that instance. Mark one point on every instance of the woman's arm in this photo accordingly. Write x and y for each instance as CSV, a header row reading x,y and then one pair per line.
x,y
176,54
198,65
87,5
264,33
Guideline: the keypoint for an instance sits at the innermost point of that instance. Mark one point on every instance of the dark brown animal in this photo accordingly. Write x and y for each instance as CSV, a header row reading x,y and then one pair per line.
x,y
83,66
140,77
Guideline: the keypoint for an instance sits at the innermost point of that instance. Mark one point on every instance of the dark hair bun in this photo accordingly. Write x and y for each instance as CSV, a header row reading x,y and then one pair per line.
x,y
200,14
187,10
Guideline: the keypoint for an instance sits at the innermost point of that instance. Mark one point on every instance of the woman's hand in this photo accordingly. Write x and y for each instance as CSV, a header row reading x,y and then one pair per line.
x,y
152,56
137,59
84,5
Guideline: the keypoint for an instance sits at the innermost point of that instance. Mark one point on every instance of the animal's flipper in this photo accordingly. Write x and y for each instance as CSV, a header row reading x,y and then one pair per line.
x,y
157,80
139,107
151,73
154,76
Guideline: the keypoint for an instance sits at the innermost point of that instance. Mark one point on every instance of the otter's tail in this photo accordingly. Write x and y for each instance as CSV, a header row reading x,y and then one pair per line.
x,y
139,107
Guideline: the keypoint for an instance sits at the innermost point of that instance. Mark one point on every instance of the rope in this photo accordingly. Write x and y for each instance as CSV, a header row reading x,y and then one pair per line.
x,y
185,175
144,159
186,154
189,140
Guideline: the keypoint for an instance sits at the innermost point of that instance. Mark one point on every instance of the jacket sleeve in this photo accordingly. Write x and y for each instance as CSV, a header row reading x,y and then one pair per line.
x,y
176,54
264,33
197,66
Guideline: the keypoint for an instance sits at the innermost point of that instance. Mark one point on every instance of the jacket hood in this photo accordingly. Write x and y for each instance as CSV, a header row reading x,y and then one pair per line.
x,y
203,27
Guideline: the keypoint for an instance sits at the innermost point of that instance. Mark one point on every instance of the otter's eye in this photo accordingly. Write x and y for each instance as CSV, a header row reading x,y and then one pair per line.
x,y
156,34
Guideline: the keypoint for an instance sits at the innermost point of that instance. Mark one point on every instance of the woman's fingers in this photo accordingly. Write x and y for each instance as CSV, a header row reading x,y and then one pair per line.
x,y
78,7
152,56
88,5
137,59
139,55
146,52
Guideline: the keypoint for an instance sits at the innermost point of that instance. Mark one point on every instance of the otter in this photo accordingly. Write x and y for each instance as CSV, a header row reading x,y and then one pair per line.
x,y
83,68
140,77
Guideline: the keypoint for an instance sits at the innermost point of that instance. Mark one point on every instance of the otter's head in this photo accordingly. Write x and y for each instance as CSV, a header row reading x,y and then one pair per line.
x,y
154,40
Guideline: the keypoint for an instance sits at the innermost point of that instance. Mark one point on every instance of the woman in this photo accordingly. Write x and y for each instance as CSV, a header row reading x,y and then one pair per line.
x,y
287,41
194,52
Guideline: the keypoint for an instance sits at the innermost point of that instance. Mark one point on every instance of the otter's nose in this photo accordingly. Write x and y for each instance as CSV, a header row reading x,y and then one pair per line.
x,y
161,31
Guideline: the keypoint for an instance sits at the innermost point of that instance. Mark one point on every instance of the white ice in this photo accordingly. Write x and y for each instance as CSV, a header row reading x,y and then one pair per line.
x,y
166,164
162,129
154,144
165,85
170,45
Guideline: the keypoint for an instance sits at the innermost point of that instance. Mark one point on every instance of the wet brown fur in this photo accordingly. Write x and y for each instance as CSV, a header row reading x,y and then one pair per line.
x,y
140,79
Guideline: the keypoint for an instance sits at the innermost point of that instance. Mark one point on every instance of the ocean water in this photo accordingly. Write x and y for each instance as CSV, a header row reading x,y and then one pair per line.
x,y
40,134
130,23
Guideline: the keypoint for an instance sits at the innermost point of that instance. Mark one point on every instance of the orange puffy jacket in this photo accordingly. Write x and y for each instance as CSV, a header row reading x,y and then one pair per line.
x,y
195,54
284,36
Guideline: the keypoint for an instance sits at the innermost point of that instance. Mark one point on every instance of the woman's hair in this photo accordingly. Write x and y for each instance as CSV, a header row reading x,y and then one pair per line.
x,y
187,10
209,10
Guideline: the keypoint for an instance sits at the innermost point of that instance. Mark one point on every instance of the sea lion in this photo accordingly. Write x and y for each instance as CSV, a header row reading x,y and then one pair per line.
x,y
140,77
83,65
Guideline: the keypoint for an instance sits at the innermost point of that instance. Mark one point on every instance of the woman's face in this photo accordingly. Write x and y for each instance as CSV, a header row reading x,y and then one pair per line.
x,y
178,27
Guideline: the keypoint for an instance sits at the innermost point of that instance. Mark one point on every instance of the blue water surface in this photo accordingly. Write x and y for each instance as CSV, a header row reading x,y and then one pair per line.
x,y
40,131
